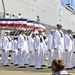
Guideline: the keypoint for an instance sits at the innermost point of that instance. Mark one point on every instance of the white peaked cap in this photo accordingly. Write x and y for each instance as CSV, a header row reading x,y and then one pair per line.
x,y
40,30
44,35
7,31
23,29
33,33
59,23
52,30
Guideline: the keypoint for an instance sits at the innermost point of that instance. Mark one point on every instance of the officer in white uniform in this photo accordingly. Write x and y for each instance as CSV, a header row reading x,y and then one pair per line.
x,y
15,51
38,19
58,40
50,48
19,16
31,50
68,48
38,49
73,52
6,47
7,16
22,46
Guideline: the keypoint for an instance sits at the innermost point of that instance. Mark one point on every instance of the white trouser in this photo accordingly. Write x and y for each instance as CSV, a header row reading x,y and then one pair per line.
x,y
12,57
2,56
42,58
67,58
5,57
21,55
38,59
26,58
16,57
50,58
31,58
59,52
73,59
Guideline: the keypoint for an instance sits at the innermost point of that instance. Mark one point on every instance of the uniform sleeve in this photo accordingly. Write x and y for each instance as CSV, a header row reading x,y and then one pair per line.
x,y
4,43
29,44
18,42
55,39
65,42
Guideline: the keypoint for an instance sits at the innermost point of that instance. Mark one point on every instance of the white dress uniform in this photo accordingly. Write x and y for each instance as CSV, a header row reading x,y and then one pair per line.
x,y
12,54
22,45
69,47
15,52
31,50
39,50
58,39
44,51
73,54
50,47
6,46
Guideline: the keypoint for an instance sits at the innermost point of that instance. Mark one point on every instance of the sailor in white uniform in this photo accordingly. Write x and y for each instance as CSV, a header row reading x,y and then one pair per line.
x,y
73,52
44,50
6,47
12,53
50,48
38,49
22,46
58,40
31,50
15,51
68,48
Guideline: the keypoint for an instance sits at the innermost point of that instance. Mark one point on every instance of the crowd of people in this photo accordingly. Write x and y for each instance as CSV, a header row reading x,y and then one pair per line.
x,y
32,51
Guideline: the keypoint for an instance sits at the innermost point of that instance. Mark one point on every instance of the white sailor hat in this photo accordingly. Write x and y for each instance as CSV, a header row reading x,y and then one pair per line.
x,y
52,30
59,24
44,35
7,31
40,30
23,29
33,33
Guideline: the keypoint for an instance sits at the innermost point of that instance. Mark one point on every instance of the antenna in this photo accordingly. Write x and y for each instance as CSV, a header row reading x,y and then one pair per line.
x,y
68,1
72,2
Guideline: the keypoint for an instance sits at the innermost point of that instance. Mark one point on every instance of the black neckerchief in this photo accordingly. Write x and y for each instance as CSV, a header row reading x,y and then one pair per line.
x,y
40,39
60,34
9,39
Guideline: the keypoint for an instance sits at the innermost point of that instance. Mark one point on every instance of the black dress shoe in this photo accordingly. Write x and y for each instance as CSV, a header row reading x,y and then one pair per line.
x,y
41,68
22,67
43,65
37,68
6,65
68,68
74,67
31,66
16,65
26,64
49,67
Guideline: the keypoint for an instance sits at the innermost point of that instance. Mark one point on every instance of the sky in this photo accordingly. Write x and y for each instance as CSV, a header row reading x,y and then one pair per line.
x,y
66,1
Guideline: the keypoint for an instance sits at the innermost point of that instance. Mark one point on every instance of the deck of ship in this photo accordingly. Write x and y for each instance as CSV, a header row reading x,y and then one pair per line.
x,y
12,70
